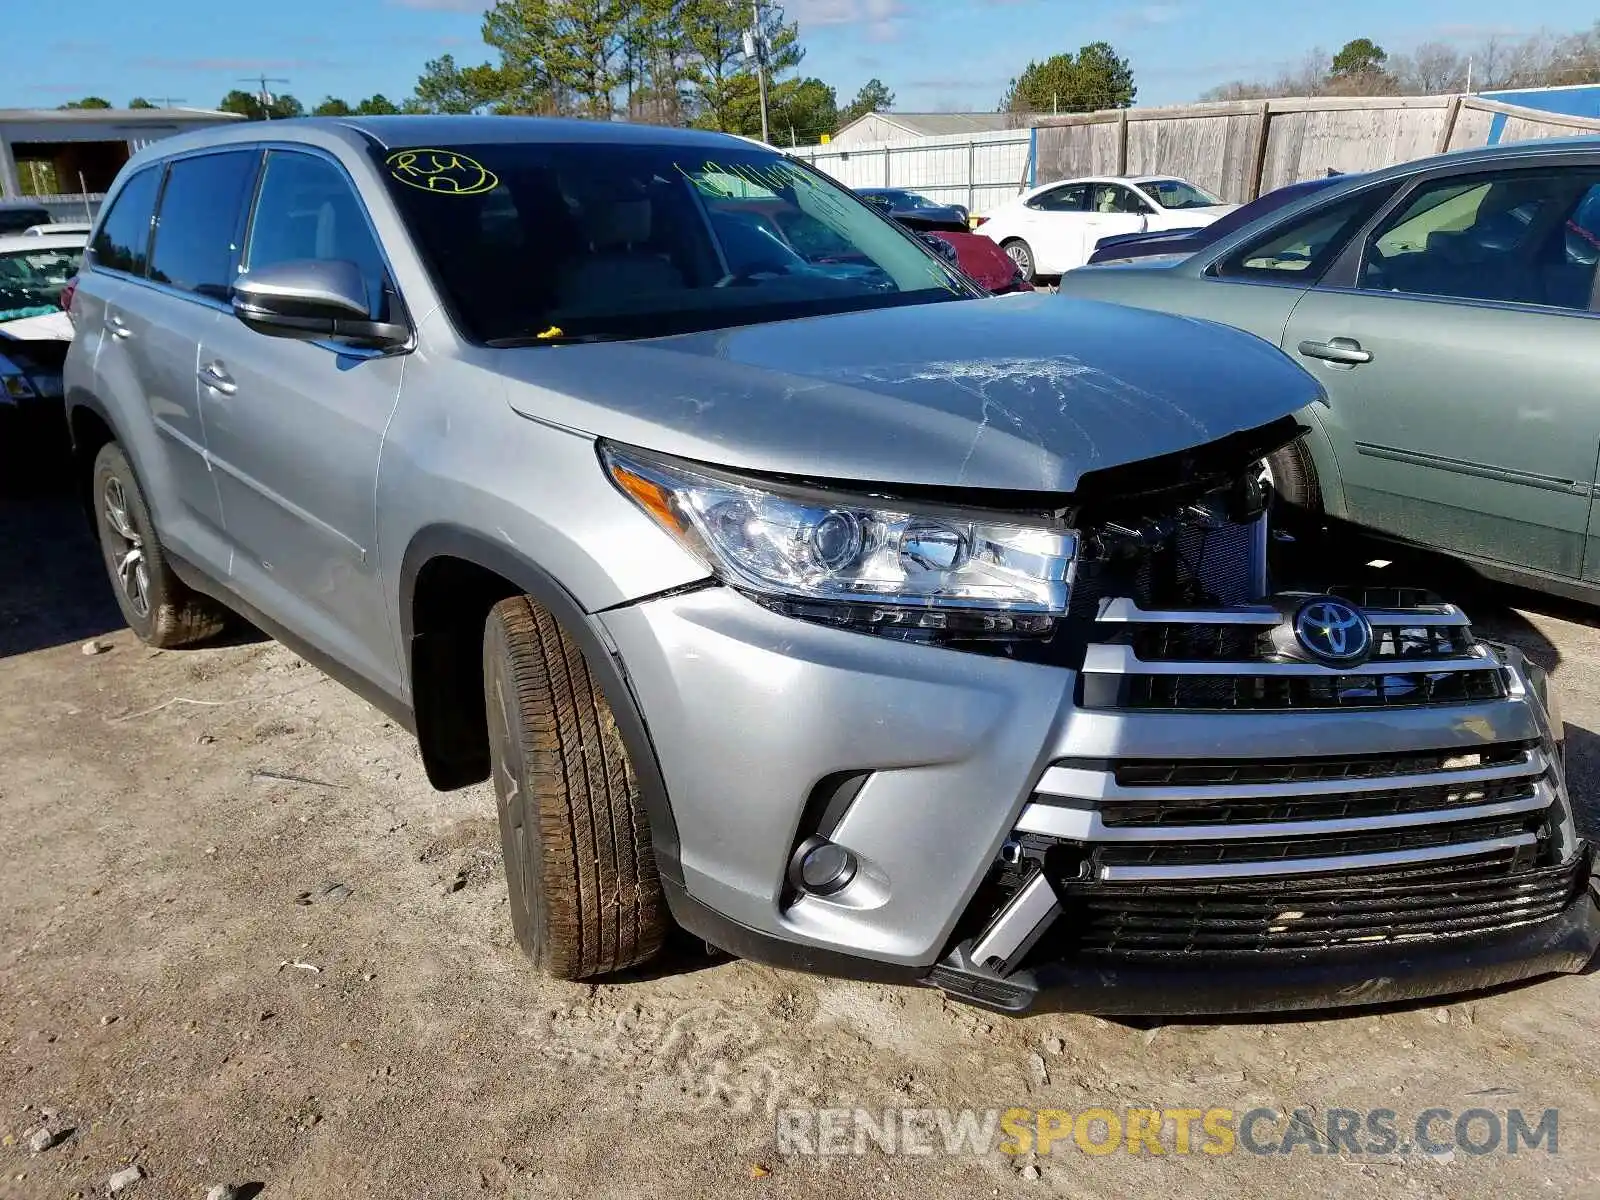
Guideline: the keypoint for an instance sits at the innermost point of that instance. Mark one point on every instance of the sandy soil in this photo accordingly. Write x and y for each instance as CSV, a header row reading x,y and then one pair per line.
x,y
244,942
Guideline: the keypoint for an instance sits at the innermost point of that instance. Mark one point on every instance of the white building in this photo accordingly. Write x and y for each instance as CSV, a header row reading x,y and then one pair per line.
x,y
876,128
69,156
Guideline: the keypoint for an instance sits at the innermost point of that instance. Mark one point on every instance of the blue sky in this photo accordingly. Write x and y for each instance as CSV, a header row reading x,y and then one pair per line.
x,y
934,54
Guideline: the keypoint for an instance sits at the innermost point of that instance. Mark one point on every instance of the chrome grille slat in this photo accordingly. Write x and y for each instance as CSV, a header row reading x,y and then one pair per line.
x,y
1080,784
1102,658
1089,825
1311,866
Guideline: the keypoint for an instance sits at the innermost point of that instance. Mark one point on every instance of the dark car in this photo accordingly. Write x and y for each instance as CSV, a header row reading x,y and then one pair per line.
x,y
1124,247
898,202
15,216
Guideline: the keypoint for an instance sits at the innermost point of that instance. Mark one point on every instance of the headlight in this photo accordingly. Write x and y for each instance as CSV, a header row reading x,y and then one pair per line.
x,y
16,387
858,560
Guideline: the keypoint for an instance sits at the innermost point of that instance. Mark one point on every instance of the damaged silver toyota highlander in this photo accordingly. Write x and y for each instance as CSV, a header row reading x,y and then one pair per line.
x,y
791,589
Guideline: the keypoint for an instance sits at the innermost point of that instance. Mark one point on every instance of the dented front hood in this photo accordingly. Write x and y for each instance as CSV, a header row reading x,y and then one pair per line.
x,y
1019,392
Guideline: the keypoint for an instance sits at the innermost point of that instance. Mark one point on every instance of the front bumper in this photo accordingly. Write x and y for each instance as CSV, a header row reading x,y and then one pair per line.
x,y
932,765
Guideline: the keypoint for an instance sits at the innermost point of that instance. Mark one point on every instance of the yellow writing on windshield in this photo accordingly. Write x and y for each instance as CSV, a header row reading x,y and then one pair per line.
x,y
445,172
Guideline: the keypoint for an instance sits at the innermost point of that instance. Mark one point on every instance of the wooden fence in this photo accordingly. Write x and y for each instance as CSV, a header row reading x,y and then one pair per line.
x,y
1242,148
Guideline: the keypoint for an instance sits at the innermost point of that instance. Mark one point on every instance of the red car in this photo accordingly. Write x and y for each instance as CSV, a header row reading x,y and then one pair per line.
x,y
979,258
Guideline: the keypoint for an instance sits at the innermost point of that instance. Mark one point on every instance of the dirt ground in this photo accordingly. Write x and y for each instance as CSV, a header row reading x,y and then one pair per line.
x,y
244,942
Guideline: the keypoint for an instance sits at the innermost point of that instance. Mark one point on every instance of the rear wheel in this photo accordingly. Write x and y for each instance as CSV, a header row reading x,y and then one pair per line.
x,y
158,606
1020,253
584,894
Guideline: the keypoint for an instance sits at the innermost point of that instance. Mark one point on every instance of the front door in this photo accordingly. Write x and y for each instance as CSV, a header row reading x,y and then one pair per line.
x,y
294,430
1460,364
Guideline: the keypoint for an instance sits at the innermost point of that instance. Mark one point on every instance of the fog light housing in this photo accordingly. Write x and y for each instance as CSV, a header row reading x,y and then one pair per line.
x,y
822,868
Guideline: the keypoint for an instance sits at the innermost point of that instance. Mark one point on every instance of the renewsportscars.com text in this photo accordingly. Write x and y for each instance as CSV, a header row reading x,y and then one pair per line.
x,y
1165,1131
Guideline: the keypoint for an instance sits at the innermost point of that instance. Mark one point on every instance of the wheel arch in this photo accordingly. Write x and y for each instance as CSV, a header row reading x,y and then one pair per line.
x,y
1319,445
450,577
89,427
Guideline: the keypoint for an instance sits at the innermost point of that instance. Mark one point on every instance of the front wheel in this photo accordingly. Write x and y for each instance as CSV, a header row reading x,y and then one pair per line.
x,y
158,606
584,894
1022,254
1293,477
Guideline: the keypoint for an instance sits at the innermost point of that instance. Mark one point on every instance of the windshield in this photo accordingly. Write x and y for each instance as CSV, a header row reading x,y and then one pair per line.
x,y
31,281
1179,193
559,241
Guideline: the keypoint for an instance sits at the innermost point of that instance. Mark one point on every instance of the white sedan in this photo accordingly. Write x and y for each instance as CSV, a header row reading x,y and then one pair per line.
x,y
1054,228
34,269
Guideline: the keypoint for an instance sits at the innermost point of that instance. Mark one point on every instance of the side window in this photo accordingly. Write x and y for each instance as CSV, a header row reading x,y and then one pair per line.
x,y
1114,198
308,209
1517,238
1583,230
124,236
1305,247
1074,198
197,227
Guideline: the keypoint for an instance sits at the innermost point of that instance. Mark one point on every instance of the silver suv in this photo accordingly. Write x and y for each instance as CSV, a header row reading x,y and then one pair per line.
x,y
791,589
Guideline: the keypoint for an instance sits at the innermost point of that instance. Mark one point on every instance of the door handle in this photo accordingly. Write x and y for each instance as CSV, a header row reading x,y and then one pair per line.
x,y
1344,351
118,329
218,380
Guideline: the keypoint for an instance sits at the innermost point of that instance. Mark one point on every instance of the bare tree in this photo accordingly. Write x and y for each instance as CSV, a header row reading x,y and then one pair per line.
x,y
1432,69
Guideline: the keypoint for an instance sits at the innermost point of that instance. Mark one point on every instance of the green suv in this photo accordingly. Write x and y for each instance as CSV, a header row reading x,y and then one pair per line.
x,y
1449,308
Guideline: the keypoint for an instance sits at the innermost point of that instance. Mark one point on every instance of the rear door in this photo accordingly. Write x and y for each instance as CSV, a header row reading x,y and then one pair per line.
x,y
148,325
295,428
1458,345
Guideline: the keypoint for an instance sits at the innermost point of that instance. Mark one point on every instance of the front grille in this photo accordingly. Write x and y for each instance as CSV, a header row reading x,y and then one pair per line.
x,y
1255,852
1313,770
1247,658
1208,692
1183,642
1314,808
1299,914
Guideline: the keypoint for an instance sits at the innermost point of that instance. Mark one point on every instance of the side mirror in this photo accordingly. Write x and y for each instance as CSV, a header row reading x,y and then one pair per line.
x,y
311,299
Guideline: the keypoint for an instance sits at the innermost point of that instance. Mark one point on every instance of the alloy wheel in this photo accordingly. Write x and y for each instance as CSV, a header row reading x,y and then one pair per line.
x,y
133,572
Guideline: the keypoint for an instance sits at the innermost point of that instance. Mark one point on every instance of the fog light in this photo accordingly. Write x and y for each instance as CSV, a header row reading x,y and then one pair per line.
x,y
822,867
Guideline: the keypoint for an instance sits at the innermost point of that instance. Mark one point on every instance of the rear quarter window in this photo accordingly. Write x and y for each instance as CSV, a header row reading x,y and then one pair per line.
x,y
123,242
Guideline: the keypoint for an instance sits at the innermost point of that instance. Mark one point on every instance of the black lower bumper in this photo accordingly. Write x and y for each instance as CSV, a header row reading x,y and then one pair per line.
x,y
1564,944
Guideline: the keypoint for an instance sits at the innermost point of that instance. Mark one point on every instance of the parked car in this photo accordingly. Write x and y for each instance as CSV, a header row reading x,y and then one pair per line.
x,y
34,271
1054,228
856,621
58,228
1125,247
1448,306
977,257
32,424
17,215
899,201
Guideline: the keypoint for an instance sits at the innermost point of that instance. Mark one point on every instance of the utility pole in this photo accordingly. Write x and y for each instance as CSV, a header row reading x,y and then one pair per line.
x,y
265,94
756,45
1469,75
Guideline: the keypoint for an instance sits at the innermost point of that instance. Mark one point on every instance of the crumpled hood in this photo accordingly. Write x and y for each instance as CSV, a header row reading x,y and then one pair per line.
x,y
1017,392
